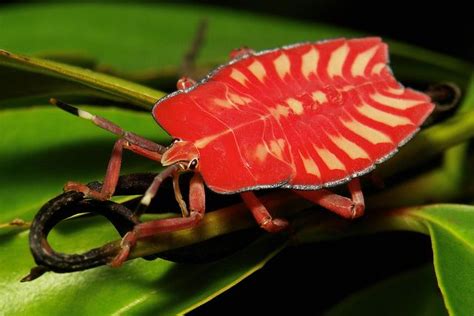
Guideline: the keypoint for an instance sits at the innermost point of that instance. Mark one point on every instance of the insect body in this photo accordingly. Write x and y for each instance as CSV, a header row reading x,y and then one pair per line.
x,y
303,117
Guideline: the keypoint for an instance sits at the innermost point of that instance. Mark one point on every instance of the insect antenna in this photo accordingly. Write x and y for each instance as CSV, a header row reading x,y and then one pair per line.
x,y
109,126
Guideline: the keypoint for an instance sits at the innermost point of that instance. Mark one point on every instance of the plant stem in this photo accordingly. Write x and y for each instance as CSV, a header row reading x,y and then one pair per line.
x,y
430,142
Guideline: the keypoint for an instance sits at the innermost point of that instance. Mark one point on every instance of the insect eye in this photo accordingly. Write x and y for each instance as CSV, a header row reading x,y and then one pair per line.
x,y
193,164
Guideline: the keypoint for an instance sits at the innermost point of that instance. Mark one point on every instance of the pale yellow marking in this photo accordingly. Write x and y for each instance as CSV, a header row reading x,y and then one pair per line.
x,y
337,60
239,77
238,99
348,87
350,148
257,69
295,105
362,60
282,65
281,142
393,102
85,115
378,68
276,149
310,166
319,96
280,110
261,152
399,90
203,142
309,63
223,103
383,117
372,135
330,159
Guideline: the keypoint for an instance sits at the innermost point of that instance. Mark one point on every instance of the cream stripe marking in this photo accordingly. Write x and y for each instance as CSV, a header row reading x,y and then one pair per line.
x,y
280,110
398,90
223,103
310,166
319,96
377,69
238,99
362,60
276,148
282,65
257,69
282,142
337,60
295,105
372,135
331,161
350,148
396,103
238,76
261,152
383,117
203,142
309,62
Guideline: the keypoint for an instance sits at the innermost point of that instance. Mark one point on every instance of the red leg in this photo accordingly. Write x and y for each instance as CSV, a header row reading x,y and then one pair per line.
x,y
261,214
155,186
113,170
239,52
197,202
128,140
184,83
345,207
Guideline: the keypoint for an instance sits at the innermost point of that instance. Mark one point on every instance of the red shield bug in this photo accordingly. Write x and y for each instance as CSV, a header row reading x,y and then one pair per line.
x,y
303,117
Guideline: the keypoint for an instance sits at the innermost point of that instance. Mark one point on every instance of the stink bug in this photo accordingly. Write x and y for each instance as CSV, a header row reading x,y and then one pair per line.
x,y
303,117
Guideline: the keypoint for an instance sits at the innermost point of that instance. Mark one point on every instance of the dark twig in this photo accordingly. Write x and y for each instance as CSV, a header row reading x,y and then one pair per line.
x,y
73,203
445,95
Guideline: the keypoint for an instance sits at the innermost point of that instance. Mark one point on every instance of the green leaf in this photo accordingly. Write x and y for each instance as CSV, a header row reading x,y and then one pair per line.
x,y
43,148
413,293
163,41
131,37
451,228
140,287
90,82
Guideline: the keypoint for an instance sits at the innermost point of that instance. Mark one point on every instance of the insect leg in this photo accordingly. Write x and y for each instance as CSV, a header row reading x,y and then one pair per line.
x,y
130,141
261,214
197,202
343,206
113,171
184,83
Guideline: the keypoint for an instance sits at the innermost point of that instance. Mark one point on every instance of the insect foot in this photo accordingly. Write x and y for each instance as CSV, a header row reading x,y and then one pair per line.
x,y
128,242
84,189
275,225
